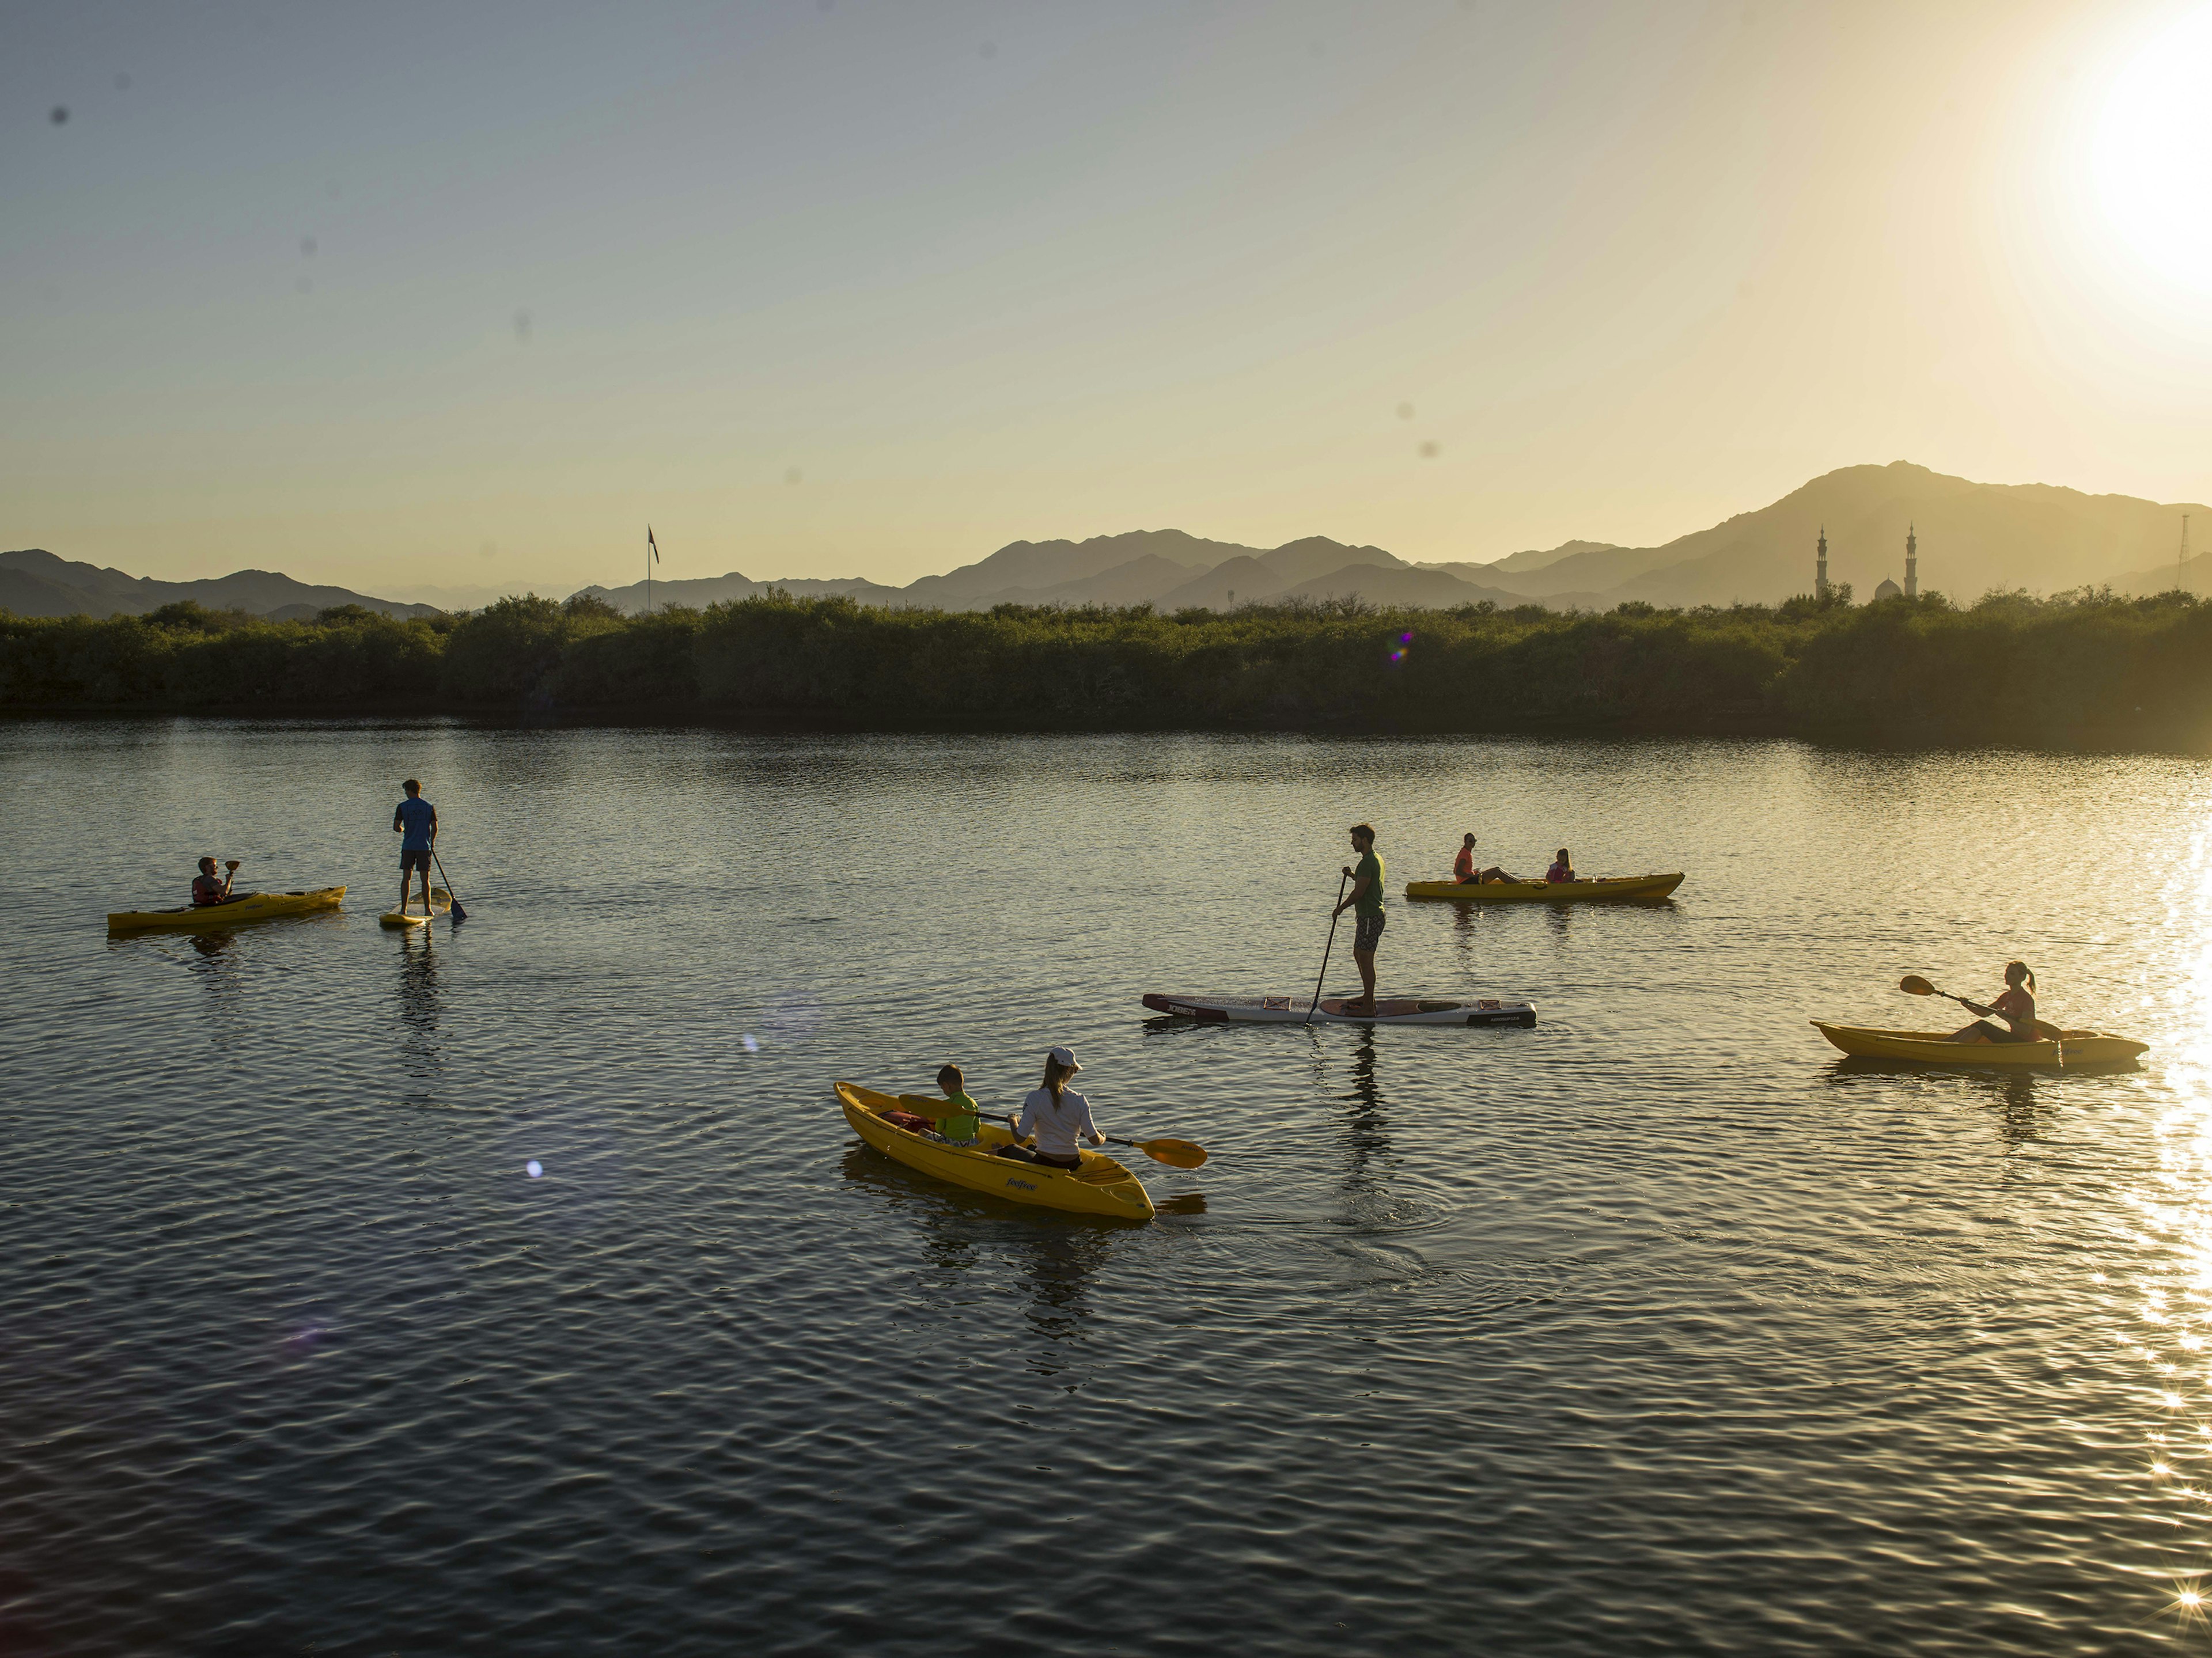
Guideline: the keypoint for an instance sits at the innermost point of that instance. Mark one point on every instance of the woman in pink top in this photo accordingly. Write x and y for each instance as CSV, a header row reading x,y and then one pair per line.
x,y
1562,871
2016,1007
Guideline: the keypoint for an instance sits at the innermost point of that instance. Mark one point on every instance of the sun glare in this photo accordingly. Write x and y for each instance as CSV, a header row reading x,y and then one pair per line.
x,y
2150,153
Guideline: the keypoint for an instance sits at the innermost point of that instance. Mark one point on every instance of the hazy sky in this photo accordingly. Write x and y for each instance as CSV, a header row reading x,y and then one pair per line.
x,y
409,297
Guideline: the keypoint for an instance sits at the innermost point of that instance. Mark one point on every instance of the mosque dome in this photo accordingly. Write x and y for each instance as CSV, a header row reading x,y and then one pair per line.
x,y
1887,590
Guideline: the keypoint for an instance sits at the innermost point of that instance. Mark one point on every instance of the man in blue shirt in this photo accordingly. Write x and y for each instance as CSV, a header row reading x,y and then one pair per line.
x,y
416,823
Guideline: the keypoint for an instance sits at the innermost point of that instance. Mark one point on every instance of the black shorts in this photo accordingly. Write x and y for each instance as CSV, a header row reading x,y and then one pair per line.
x,y
411,861
1023,1154
1370,933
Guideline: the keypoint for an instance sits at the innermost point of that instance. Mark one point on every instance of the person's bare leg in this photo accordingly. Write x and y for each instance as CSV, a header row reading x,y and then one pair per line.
x,y
1364,960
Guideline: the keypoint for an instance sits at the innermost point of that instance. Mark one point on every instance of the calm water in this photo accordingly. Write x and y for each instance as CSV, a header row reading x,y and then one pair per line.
x,y
1653,1329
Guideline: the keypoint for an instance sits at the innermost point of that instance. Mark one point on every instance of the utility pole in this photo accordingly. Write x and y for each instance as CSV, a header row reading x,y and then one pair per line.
x,y
2181,565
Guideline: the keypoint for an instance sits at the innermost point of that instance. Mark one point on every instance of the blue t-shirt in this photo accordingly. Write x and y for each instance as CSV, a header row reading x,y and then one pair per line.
x,y
416,813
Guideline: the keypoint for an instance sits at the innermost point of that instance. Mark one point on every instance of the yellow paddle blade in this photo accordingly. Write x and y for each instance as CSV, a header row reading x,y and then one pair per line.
x,y
1181,1154
1913,985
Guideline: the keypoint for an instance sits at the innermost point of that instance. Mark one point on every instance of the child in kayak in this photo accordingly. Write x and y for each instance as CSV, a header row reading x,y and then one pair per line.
x,y
1056,1115
958,1127
1562,871
2016,1007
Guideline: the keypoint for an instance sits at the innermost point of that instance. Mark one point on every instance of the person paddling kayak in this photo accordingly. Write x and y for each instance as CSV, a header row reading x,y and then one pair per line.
x,y
1365,899
2016,1007
1464,873
415,822
1056,1115
207,890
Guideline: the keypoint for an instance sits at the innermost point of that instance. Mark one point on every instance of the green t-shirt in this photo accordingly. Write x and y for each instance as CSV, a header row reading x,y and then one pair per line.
x,y
960,1125
1370,901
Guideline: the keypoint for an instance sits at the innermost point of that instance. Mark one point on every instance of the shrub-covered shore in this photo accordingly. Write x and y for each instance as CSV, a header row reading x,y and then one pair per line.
x,y
2086,669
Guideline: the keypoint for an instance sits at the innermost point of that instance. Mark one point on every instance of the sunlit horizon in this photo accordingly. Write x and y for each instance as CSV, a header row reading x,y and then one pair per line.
x,y
425,300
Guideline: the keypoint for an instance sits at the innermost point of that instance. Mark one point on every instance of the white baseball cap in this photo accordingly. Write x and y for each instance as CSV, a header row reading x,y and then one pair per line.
x,y
1064,1058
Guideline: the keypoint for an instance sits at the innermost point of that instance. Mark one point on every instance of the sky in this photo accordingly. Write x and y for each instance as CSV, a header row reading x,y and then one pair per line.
x,y
435,299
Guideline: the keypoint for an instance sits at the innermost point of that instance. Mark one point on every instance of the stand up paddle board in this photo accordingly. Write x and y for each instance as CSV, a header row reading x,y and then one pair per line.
x,y
393,918
1292,1009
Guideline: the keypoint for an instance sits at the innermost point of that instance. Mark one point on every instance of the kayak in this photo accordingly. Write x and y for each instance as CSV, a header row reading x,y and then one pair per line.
x,y
1928,1047
1609,888
412,918
1101,1186
246,907
1292,1009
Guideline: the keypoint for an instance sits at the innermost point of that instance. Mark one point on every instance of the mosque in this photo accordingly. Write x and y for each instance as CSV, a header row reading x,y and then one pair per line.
x,y
1888,589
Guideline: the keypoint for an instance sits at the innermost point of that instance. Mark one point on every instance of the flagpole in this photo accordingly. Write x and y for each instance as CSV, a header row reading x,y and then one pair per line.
x,y
648,569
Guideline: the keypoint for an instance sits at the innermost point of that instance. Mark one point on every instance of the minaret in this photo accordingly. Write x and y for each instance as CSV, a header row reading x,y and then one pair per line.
x,y
1911,562
1820,580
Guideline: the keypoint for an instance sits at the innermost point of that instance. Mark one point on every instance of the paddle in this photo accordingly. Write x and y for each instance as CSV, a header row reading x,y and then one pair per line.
x,y
1182,1154
459,914
1325,948
1913,985
1179,1154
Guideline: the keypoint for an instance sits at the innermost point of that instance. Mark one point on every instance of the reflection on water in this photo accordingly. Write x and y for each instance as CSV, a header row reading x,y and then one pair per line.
x,y
1655,1328
420,1054
977,1247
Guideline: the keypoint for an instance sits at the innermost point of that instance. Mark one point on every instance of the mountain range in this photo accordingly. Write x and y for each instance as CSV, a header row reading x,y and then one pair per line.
x,y
1972,538
35,582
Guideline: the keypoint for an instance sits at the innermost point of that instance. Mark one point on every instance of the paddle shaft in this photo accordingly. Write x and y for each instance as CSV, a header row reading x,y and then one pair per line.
x,y
459,915
1325,950
1145,1146
1981,1012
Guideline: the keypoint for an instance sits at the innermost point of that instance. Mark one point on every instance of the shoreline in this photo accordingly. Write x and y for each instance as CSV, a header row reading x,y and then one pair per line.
x,y
620,717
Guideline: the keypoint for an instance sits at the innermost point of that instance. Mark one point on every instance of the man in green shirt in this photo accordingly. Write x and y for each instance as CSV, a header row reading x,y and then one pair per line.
x,y
1366,899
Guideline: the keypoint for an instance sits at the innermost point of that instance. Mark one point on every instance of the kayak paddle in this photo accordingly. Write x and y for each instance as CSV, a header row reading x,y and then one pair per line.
x,y
459,914
1179,1154
1325,948
1913,985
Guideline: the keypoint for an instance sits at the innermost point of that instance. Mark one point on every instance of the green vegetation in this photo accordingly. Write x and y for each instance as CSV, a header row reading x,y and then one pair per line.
x,y
2083,669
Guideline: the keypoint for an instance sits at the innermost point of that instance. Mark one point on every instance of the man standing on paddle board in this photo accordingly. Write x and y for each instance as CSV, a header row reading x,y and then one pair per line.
x,y
1365,899
416,823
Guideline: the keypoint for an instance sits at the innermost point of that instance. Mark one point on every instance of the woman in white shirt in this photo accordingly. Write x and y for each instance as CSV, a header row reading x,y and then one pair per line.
x,y
1056,1115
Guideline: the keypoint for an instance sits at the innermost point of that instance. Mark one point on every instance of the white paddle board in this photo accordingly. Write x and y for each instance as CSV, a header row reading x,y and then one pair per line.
x,y
1292,1009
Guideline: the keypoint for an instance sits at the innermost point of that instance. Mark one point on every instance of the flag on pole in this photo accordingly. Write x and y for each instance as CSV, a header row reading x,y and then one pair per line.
x,y
650,544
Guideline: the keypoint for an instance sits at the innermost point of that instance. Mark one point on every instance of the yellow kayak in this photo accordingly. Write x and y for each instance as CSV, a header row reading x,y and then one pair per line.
x,y
1610,889
246,907
2073,1048
1101,1186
